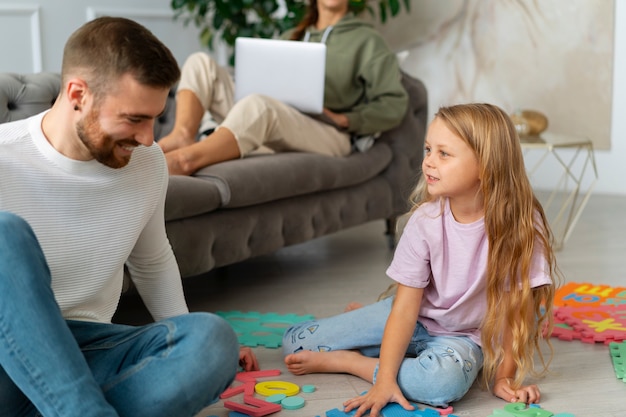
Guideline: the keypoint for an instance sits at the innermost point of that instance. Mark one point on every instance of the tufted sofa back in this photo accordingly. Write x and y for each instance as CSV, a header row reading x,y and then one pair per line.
x,y
24,95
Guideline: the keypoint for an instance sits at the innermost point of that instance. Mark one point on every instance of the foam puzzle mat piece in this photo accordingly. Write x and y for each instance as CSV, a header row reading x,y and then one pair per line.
x,y
564,331
396,410
500,413
242,388
276,398
253,407
446,411
575,294
261,329
268,388
522,410
236,414
391,410
293,403
602,323
308,389
335,412
618,357
253,375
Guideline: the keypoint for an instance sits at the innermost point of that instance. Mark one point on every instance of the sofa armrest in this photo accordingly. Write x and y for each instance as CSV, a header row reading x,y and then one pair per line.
x,y
407,143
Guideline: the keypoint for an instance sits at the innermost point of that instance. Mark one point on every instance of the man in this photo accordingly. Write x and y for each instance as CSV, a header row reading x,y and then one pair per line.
x,y
83,193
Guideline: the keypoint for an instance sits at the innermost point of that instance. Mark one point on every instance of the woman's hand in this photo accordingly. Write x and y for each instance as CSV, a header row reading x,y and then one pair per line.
x,y
341,120
248,360
528,394
376,398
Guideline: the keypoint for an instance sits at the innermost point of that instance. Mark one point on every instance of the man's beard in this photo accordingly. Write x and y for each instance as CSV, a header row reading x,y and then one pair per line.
x,y
101,145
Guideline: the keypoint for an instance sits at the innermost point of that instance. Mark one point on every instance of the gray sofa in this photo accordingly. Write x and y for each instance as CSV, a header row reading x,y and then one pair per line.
x,y
239,209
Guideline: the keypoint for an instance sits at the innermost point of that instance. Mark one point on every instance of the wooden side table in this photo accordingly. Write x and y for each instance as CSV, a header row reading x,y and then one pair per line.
x,y
574,157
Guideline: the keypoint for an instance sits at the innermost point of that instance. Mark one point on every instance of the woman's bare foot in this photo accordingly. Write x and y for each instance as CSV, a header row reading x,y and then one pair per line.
x,y
177,163
176,139
337,361
353,306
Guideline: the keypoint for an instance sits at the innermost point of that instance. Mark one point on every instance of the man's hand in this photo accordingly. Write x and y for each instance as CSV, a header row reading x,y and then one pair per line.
x,y
526,394
248,360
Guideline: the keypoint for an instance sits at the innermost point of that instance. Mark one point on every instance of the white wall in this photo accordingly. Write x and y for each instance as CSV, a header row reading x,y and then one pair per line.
x,y
612,164
32,35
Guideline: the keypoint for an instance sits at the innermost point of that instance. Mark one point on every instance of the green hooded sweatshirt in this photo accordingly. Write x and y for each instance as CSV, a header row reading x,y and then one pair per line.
x,y
362,76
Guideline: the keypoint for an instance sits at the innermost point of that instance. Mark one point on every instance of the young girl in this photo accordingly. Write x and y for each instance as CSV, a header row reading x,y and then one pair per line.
x,y
475,275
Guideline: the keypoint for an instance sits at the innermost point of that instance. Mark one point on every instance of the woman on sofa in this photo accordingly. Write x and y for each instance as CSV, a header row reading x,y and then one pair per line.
x,y
363,96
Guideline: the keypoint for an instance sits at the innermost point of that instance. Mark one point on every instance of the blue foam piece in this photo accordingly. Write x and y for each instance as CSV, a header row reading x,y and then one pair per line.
x,y
390,410
335,412
236,414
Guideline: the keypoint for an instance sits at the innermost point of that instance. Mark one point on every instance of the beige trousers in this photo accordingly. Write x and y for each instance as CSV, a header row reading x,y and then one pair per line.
x,y
258,121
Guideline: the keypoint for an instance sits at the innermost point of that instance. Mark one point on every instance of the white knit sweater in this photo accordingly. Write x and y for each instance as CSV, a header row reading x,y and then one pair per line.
x,y
90,219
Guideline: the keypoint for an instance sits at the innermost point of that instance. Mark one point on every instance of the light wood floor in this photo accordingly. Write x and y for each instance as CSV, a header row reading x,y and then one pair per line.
x,y
322,276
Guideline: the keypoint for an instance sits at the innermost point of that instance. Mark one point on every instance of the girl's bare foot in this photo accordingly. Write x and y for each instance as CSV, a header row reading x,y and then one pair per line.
x,y
353,306
336,361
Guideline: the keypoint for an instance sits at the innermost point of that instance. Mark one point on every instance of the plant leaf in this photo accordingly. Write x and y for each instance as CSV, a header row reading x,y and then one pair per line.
x,y
218,21
394,6
206,37
382,11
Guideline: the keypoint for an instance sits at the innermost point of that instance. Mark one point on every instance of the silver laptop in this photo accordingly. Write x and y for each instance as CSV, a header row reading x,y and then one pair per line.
x,y
289,71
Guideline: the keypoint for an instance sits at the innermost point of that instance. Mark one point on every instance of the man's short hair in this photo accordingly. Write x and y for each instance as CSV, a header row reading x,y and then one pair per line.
x,y
106,48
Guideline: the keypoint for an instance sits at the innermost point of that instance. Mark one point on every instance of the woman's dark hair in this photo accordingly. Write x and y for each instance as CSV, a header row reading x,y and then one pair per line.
x,y
309,19
311,16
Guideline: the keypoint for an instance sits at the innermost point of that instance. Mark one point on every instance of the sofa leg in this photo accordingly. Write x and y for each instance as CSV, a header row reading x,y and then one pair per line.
x,y
391,232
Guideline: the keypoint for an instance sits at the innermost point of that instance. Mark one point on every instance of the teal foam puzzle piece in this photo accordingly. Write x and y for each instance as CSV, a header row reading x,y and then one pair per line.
x,y
521,410
261,329
500,413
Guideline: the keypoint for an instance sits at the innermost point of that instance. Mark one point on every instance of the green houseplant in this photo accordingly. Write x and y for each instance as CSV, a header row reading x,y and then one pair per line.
x,y
260,18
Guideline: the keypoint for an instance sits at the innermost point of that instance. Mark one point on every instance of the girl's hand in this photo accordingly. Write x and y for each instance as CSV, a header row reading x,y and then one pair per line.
x,y
528,394
248,360
375,399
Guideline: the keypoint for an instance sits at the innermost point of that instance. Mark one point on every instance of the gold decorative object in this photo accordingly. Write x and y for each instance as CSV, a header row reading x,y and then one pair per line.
x,y
529,122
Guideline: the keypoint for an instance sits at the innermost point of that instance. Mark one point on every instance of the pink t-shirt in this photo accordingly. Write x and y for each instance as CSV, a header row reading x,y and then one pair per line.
x,y
449,260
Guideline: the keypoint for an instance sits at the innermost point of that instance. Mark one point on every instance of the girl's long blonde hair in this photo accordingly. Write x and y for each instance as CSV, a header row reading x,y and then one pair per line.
x,y
515,224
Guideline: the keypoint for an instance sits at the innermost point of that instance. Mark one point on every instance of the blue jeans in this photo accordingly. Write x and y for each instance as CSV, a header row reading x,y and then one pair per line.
x,y
53,367
437,370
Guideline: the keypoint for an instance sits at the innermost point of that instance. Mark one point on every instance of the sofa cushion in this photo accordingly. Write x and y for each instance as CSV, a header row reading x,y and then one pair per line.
x,y
262,178
189,196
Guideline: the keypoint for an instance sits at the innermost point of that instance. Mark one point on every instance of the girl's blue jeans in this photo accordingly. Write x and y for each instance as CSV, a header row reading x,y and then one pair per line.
x,y
58,368
437,370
